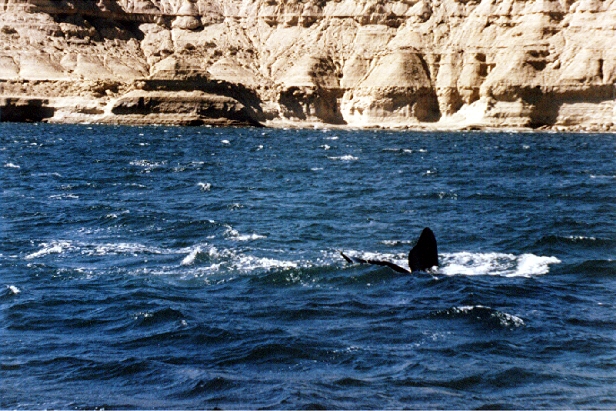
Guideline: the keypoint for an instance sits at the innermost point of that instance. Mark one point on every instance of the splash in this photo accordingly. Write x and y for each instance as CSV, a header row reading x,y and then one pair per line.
x,y
233,234
470,264
506,265
57,247
190,258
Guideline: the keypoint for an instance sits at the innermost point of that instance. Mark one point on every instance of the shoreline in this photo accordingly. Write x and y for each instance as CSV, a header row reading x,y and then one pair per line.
x,y
325,127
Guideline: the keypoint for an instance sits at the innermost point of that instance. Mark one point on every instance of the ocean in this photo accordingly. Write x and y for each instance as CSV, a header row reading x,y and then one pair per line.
x,y
200,268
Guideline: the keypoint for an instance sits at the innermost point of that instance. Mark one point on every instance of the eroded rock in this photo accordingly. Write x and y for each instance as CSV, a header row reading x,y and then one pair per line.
x,y
368,63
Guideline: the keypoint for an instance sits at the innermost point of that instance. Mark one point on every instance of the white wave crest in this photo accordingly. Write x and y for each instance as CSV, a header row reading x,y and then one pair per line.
x,y
190,258
120,248
224,260
57,247
347,157
13,289
248,263
234,235
466,263
504,319
11,165
506,265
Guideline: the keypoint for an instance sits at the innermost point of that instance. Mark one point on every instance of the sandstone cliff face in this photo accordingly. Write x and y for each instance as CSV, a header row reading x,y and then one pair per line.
x,y
404,63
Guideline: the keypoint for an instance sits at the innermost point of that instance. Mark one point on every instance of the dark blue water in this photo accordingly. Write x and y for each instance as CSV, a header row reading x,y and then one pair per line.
x,y
197,268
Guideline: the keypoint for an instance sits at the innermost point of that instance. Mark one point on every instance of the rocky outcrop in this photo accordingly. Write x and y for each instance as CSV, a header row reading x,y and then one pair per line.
x,y
445,64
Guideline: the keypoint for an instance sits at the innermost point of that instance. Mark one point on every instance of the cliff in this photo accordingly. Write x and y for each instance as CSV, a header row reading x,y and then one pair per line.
x,y
408,63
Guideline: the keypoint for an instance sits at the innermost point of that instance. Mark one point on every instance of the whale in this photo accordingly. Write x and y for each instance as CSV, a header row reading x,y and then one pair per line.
x,y
421,257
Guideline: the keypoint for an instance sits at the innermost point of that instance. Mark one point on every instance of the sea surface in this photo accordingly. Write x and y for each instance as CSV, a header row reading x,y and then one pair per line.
x,y
199,268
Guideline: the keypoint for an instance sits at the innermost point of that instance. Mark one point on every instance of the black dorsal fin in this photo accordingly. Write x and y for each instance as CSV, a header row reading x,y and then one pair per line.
x,y
425,253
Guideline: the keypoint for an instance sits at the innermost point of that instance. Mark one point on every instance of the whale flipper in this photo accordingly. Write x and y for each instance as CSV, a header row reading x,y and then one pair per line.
x,y
357,260
421,257
393,266
425,253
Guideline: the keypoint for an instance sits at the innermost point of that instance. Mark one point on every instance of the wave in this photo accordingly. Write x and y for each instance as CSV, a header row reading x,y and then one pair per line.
x,y
190,258
397,150
206,258
577,240
470,264
64,247
10,291
233,234
505,265
347,157
205,186
482,314
164,315
55,247
147,165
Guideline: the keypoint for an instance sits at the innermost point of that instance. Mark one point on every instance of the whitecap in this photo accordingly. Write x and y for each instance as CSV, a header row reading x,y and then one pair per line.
x,y
229,260
112,216
122,248
397,242
249,237
235,235
347,157
530,264
190,258
325,147
148,165
506,265
64,197
249,263
483,313
13,289
581,238
11,165
225,142
50,248
205,186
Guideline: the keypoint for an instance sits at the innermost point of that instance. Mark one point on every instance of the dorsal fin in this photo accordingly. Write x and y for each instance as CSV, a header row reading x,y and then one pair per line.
x,y
425,253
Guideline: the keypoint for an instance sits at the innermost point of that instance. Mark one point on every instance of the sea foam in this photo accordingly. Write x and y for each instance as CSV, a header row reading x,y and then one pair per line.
x,y
50,248
466,263
506,265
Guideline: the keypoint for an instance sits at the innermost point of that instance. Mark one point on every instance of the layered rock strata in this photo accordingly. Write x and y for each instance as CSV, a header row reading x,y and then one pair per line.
x,y
370,63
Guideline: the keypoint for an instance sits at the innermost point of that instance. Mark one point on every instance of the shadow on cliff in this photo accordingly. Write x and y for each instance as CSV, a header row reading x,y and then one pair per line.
x,y
548,104
25,110
97,20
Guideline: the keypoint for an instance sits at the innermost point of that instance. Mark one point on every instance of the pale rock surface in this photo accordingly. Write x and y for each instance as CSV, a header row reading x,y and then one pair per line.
x,y
440,64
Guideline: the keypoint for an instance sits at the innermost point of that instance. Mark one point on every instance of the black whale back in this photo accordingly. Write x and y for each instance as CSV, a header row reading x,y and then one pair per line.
x,y
425,253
